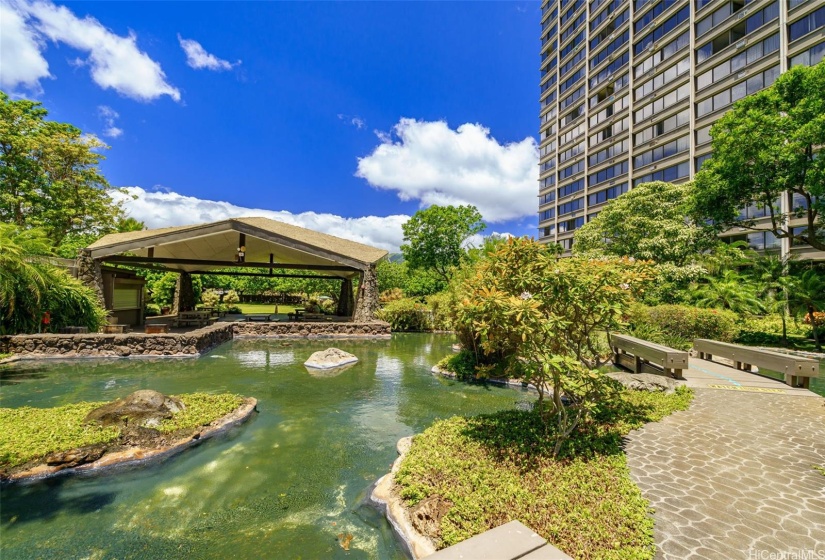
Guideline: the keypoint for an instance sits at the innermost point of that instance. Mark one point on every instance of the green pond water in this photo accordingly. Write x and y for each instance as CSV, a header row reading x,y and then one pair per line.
x,y
283,485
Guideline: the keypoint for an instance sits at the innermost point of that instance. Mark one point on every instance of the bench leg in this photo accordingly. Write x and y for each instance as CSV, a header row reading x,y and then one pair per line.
x,y
747,367
677,373
737,365
637,364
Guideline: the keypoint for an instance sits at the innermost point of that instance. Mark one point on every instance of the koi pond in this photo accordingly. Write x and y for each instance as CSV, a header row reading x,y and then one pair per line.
x,y
285,484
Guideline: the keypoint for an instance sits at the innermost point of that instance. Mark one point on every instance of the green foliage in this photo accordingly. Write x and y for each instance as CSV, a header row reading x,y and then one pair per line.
x,y
677,325
543,318
441,304
201,409
210,298
493,468
807,297
151,310
763,148
50,174
391,275
231,297
648,223
32,433
434,238
729,291
463,364
406,315
30,285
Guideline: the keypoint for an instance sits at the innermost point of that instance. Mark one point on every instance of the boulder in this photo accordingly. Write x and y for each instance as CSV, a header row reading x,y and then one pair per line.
x,y
330,358
644,381
142,408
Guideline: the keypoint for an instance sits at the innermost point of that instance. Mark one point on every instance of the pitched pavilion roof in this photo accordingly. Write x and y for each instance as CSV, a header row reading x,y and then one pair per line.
x,y
219,241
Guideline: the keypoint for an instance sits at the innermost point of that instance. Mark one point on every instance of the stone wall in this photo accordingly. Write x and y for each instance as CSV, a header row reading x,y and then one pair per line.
x,y
117,345
192,343
313,330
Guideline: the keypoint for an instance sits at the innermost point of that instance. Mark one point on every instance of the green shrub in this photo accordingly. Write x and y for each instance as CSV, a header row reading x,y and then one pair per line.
x,y
231,297
152,310
678,325
210,298
463,365
493,468
440,305
406,315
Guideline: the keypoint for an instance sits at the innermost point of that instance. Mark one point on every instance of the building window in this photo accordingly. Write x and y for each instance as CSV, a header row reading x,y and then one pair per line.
x,y
807,24
607,194
573,187
571,206
663,78
731,66
669,25
607,173
662,54
810,57
661,152
668,100
609,49
680,119
609,152
668,174
737,92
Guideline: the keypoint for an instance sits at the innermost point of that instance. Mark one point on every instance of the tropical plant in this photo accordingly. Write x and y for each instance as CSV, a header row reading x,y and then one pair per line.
x,y
808,297
730,291
50,174
30,285
544,318
434,238
763,148
649,222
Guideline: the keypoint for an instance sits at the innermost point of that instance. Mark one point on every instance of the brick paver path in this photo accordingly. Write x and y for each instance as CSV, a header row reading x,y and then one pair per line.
x,y
732,477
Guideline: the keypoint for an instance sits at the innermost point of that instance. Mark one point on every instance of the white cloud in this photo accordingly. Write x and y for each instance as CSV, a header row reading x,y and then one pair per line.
x,y
197,57
21,61
115,62
109,117
434,164
168,208
355,121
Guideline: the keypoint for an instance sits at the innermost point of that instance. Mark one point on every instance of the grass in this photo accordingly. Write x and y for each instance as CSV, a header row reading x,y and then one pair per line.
x,y
4,355
266,308
30,434
494,468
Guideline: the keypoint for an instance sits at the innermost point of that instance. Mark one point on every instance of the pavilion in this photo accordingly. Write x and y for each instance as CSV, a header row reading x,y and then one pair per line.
x,y
255,243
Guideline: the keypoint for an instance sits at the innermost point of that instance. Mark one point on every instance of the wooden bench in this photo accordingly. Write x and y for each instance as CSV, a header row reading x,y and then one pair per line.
x,y
796,369
192,318
639,355
114,329
157,328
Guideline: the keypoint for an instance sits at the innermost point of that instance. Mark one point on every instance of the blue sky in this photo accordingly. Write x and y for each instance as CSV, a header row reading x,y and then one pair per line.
x,y
346,117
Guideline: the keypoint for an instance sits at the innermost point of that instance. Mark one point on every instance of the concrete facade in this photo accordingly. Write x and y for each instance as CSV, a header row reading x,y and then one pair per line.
x,y
630,88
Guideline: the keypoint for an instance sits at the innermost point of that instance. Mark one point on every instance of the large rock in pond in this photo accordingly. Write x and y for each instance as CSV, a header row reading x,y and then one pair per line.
x,y
142,408
330,358
644,381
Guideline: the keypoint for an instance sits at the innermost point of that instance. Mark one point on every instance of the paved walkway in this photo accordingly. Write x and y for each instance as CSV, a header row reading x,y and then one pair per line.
x,y
733,476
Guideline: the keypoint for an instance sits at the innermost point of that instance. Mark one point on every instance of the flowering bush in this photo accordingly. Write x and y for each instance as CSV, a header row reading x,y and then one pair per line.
x,y
543,318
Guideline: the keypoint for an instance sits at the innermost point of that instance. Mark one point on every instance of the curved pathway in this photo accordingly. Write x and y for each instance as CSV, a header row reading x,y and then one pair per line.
x,y
732,477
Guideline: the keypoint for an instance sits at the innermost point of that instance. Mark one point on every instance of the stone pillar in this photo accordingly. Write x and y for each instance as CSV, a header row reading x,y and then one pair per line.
x,y
366,304
88,272
345,300
184,294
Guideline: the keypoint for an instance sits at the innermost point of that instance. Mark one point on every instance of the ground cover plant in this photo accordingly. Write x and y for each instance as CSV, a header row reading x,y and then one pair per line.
x,y
29,434
482,471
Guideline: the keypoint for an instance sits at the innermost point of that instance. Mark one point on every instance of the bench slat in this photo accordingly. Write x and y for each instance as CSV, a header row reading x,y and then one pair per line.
x,y
782,363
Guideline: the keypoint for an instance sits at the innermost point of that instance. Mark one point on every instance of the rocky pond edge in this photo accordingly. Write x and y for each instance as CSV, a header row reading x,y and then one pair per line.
x,y
385,498
139,455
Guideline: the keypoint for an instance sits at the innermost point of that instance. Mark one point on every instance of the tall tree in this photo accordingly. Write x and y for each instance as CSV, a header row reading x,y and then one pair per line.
x,y
764,147
435,237
49,174
649,222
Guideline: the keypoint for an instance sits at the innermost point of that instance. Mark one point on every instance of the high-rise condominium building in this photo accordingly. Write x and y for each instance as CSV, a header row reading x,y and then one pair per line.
x,y
630,88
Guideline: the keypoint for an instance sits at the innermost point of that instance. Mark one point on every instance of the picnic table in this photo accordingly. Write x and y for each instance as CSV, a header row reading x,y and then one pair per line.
x,y
262,317
297,314
193,318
